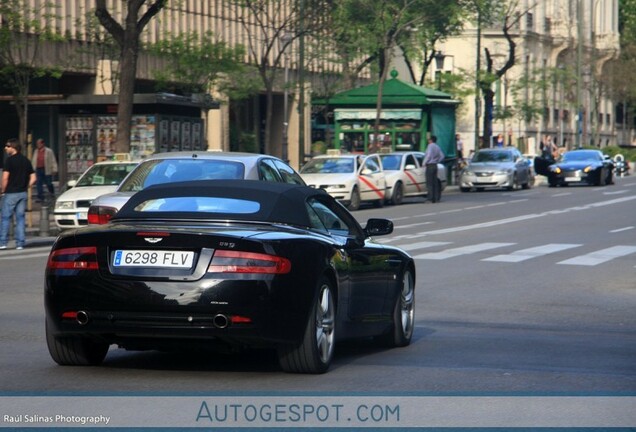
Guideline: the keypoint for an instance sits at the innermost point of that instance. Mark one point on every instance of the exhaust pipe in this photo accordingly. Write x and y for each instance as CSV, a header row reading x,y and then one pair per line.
x,y
82,318
221,321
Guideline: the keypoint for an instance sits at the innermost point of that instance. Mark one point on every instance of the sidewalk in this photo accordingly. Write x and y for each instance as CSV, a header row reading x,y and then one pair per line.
x,y
36,232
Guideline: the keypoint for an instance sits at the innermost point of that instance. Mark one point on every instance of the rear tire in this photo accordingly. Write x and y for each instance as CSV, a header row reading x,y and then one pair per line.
x,y
464,189
354,204
403,315
75,350
398,194
314,354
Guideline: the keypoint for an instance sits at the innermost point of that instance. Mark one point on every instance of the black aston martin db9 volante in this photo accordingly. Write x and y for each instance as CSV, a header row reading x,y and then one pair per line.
x,y
577,167
224,264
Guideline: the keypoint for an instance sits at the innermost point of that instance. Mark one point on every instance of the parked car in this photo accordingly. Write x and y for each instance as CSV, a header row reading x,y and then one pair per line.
x,y
350,178
71,207
218,264
183,166
406,175
578,167
496,168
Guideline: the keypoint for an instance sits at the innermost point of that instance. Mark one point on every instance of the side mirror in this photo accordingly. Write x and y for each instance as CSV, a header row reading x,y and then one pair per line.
x,y
409,167
71,183
377,227
366,171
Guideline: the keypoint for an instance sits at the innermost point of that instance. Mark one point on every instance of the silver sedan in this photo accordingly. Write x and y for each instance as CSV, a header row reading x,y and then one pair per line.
x,y
185,166
497,168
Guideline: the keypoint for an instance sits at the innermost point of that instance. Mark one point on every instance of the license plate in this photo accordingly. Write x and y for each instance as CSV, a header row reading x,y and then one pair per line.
x,y
572,179
82,215
157,258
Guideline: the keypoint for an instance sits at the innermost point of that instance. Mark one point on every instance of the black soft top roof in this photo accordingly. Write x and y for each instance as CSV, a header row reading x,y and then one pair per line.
x,y
279,202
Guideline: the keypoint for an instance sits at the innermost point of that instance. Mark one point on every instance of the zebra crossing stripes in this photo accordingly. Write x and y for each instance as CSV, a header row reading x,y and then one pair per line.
x,y
465,250
534,252
422,245
601,256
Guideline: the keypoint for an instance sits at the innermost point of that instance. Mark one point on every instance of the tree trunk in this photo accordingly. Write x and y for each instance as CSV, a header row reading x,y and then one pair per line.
x,y
489,104
269,113
128,70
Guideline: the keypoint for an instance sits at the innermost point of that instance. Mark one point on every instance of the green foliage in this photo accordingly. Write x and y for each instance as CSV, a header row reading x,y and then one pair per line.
x,y
627,21
195,61
611,151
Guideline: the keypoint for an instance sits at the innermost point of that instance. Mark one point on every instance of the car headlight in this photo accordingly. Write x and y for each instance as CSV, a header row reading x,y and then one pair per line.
x,y
64,205
503,172
556,170
470,173
587,169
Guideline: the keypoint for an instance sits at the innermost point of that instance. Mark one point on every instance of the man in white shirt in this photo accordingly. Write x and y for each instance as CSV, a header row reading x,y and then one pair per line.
x,y
434,155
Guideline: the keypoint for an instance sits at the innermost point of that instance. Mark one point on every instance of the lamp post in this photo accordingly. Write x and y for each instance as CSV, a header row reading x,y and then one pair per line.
x,y
285,40
477,79
439,64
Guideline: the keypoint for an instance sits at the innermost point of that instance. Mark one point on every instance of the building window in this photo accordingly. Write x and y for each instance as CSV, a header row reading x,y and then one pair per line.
x,y
529,21
547,25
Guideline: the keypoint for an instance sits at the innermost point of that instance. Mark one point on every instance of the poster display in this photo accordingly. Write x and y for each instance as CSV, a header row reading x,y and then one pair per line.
x,y
142,139
78,141
91,138
106,135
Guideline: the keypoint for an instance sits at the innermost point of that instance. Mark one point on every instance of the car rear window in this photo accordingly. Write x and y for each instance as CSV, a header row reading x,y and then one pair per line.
x,y
161,171
391,162
198,204
329,166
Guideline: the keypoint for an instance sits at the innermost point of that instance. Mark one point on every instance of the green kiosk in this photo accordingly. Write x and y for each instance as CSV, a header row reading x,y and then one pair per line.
x,y
409,114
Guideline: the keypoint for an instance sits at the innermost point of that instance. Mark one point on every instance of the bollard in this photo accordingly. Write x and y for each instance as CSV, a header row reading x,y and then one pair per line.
x,y
44,221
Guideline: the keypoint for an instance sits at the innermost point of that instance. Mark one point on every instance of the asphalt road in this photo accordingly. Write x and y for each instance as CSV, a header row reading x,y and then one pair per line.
x,y
517,292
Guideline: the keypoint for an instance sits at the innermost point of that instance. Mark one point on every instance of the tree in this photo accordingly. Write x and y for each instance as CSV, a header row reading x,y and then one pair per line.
x,y
22,43
193,62
508,15
371,31
200,64
127,37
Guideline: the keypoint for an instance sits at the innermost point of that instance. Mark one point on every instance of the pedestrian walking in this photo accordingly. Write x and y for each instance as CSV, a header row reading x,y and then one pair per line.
x,y
18,176
45,166
460,147
434,155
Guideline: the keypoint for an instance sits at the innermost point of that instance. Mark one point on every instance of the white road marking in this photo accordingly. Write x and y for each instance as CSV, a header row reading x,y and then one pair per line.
x,y
534,252
465,250
421,245
561,194
616,192
600,256
622,229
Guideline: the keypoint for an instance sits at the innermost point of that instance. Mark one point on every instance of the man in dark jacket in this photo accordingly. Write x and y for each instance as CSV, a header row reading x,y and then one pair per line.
x,y
18,176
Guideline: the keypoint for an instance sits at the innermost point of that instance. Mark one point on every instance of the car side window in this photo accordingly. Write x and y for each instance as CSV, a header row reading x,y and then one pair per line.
x,y
288,174
410,160
371,164
324,219
420,159
267,171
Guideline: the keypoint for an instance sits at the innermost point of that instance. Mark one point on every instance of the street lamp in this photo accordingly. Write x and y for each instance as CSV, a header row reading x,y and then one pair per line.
x,y
285,40
439,64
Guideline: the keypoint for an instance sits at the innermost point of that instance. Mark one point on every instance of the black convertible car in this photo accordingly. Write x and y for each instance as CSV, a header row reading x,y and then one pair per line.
x,y
227,264
577,167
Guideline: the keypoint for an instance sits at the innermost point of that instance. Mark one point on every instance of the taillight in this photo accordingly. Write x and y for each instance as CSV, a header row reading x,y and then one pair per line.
x,y
226,261
77,258
98,215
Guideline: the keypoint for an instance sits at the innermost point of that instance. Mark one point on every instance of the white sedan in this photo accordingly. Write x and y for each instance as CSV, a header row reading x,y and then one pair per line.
x,y
349,178
71,207
406,175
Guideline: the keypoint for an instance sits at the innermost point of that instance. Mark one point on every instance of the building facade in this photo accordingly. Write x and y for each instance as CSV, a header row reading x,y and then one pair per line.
x,y
556,85
89,69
